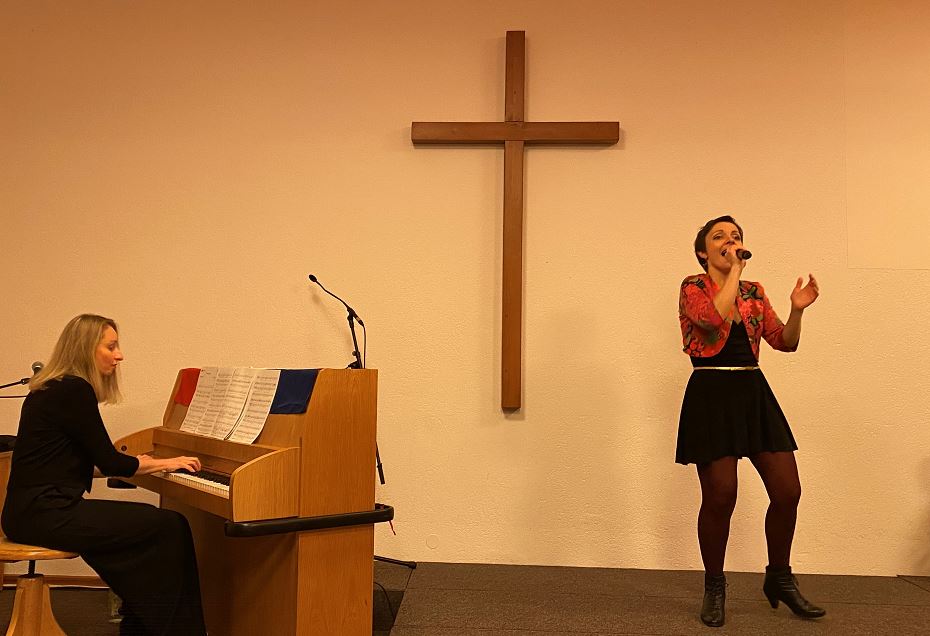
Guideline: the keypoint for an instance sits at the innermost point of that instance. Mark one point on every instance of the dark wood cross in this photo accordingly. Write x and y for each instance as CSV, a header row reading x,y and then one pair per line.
x,y
514,132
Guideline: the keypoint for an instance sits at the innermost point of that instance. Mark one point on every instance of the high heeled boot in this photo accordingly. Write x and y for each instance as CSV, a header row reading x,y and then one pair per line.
x,y
715,597
781,585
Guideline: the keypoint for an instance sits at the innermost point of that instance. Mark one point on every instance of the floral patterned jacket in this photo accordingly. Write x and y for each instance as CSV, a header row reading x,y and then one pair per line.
x,y
704,331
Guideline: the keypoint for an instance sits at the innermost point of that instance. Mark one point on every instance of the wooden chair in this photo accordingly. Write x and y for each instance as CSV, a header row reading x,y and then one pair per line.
x,y
32,609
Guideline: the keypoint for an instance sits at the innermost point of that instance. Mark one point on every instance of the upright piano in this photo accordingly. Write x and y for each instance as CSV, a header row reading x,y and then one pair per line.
x,y
286,544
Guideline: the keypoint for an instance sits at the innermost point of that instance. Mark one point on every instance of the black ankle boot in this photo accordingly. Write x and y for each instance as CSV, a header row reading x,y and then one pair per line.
x,y
781,585
715,596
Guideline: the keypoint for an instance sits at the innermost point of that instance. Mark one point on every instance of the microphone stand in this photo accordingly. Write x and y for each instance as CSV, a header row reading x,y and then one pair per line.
x,y
352,317
9,384
23,381
358,364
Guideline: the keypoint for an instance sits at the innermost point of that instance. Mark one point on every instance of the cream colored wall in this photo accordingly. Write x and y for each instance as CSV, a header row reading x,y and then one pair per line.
x,y
183,166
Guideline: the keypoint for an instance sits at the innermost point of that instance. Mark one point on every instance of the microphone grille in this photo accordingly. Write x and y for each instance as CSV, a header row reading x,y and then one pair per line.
x,y
36,367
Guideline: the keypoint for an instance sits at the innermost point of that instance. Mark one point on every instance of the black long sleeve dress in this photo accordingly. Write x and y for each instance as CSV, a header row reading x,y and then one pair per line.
x,y
145,554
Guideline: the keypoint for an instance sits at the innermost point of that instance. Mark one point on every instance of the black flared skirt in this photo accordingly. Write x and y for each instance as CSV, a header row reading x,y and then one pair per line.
x,y
730,414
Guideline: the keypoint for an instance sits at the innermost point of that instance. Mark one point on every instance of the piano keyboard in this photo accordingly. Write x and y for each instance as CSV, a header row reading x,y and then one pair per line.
x,y
205,480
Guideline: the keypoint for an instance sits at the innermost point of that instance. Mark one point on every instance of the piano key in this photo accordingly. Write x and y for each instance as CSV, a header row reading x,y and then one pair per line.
x,y
201,483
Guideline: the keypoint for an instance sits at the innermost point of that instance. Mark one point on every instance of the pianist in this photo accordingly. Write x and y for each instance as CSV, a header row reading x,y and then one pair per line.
x,y
145,554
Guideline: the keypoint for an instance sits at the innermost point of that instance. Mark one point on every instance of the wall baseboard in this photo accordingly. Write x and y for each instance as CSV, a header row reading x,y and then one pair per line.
x,y
60,580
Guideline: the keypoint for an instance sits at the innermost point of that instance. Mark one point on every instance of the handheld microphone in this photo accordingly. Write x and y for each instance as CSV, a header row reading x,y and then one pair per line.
x,y
742,254
36,367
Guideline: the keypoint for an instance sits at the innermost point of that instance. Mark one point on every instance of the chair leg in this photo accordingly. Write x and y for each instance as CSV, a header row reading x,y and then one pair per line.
x,y
32,609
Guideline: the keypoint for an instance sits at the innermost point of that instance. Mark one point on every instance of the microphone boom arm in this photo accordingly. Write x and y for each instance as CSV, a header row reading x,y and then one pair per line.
x,y
23,381
351,317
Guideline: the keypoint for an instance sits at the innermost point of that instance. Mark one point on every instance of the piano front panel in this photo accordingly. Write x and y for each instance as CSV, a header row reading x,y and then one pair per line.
x,y
336,598
212,502
248,586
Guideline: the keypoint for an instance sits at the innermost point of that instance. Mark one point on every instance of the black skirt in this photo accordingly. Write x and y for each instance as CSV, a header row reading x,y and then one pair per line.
x,y
730,414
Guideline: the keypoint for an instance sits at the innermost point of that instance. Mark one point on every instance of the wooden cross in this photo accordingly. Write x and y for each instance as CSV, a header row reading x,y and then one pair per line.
x,y
514,133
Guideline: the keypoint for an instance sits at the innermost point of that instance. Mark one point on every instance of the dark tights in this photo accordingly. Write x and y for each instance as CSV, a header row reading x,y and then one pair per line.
x,y
779,473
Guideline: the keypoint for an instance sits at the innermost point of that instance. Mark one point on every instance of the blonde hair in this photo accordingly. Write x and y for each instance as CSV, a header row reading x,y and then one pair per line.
x,y
75,354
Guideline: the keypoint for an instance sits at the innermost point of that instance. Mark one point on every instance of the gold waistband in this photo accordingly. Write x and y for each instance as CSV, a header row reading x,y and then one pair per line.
x,y
726,368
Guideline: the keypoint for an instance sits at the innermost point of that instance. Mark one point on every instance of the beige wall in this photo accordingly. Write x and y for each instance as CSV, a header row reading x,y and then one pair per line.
x,y
182,167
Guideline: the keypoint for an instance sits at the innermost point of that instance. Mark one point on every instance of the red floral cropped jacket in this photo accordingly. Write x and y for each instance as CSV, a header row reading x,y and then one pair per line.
x,y
704,331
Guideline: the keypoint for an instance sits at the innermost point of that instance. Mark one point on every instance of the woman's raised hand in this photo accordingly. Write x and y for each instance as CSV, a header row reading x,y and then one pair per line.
x,y
803,297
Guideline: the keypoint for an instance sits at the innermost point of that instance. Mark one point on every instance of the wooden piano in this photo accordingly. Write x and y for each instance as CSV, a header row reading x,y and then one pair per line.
x,y
287,546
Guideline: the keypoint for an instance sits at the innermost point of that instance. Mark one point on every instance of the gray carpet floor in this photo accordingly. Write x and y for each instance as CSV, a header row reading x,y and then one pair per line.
x,y
443,599
449,599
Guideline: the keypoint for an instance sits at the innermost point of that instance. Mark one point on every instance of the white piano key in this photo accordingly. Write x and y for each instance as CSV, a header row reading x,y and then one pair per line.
x,y
199,483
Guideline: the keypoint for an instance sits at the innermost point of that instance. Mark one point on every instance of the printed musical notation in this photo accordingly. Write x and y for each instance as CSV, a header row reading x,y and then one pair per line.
x,y
231,403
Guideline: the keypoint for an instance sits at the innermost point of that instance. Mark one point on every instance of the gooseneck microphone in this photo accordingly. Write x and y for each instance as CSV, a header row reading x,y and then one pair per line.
x,y
349,309
352,317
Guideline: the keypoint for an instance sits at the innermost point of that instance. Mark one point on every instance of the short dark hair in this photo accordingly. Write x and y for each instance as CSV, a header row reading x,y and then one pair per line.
x,y
700,241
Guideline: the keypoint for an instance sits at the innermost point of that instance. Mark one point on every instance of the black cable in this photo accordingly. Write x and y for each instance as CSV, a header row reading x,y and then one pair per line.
x,y
364,345
387,598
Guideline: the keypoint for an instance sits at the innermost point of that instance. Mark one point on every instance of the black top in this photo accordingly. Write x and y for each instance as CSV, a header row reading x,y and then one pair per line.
x,y
62,437
736,352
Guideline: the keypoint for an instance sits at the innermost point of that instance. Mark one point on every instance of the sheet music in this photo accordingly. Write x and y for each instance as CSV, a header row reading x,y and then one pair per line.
x,y
216,402
257,406
198,405
237,392
231,403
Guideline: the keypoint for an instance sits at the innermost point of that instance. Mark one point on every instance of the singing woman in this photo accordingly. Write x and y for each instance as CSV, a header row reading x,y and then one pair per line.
x,y
729,411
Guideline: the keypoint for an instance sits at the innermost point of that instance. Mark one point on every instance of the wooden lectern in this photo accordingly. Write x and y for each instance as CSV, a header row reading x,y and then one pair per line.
x,y
264,568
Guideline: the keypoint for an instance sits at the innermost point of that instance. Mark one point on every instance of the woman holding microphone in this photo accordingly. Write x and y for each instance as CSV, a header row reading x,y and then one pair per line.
x,y
729,410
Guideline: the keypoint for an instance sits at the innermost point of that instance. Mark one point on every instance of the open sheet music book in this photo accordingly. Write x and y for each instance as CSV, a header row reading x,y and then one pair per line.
x,y
231,403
